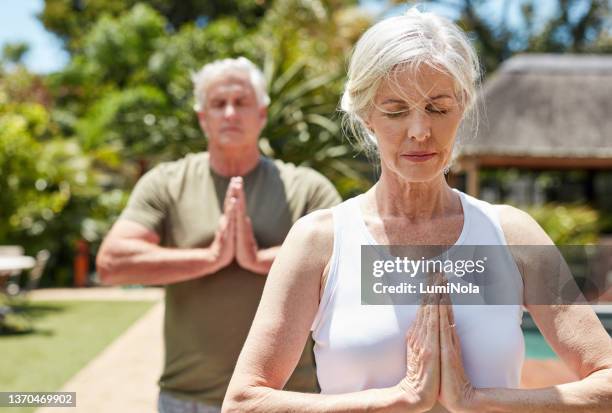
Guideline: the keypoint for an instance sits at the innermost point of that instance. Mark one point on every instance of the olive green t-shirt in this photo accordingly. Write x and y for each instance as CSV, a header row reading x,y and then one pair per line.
x,y
207,319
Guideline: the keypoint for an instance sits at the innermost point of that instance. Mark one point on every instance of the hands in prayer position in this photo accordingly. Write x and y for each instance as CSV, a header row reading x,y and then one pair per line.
x,y
434,367
234,237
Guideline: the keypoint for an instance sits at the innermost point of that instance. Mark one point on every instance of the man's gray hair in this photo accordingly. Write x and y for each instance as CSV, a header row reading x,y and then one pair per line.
x,y
209,72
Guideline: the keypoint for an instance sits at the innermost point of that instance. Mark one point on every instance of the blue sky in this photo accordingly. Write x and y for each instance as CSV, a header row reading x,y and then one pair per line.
x,y
493,9
18,22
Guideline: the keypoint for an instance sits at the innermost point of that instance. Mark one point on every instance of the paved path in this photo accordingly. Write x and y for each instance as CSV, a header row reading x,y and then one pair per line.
x,y
122,378
98,293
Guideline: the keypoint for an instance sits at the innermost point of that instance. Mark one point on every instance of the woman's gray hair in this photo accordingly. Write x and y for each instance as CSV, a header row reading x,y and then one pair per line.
x,y
406,42
209,72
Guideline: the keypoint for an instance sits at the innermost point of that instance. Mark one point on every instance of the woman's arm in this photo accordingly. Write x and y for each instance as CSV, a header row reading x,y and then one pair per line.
x,y
281,327
573,331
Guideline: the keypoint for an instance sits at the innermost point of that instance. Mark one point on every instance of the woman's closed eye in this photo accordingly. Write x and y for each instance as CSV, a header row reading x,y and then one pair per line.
x,y
436,109
395,114
392,114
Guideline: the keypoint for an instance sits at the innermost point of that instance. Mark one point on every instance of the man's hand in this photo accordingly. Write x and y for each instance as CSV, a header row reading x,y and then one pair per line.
x,y
223,246
247,251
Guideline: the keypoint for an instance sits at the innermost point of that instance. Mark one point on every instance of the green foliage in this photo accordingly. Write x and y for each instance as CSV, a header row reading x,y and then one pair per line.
x,y
72,19
121,47
49,186
74,142
27,204
578,26
14,52
569,32
303,128
140,100
184,11
126,119
305,48
130,88
566,224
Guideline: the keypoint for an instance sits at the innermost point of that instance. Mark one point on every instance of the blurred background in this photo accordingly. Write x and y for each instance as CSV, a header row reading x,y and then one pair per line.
x,y
95,92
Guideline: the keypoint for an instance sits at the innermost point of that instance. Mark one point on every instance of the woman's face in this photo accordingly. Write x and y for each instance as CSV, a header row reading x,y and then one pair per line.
x,y
415,119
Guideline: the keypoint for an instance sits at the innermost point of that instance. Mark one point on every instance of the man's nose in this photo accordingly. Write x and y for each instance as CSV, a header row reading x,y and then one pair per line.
x,y
229,111
419,126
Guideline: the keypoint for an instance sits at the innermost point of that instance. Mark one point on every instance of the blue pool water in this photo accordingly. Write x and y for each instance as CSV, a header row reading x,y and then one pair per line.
x,y
536,346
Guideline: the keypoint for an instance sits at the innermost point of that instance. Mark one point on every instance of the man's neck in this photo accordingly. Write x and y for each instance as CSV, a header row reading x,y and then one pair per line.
x,y
233,162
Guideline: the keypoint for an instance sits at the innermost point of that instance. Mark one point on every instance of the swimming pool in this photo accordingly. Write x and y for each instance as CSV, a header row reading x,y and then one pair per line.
x,y
536,346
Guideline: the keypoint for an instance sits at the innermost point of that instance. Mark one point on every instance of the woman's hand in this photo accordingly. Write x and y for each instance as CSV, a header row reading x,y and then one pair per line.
x,y
422,382
456,390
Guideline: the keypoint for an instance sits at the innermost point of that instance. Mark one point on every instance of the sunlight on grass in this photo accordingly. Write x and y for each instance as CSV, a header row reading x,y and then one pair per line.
x,y
66,336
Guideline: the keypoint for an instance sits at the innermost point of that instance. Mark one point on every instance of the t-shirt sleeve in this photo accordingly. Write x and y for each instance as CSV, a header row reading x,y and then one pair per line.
x,y
148,203
322,193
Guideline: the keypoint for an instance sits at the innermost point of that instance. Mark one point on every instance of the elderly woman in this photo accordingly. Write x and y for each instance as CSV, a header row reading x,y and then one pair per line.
x,y
411,82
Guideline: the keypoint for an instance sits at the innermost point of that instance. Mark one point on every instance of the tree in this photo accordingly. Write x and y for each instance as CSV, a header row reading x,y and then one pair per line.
x,y
131,83
51,193
305,46
71,19
572,31
579,26
130,88
75,141
14,52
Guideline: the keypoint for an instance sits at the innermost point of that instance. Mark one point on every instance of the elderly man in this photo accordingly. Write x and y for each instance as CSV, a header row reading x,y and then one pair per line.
x,y
208,226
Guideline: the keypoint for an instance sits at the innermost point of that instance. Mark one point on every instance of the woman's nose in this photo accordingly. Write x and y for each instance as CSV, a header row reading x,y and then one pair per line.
x,y
419,126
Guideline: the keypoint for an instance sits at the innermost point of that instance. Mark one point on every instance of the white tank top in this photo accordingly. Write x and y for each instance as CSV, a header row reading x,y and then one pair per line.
x,y
358,347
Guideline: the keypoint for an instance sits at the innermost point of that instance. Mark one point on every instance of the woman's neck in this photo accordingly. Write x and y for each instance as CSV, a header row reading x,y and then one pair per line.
x,y
392,196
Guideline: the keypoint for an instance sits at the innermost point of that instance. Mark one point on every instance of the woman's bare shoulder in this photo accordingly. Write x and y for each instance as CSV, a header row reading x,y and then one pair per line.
x,y
314,234
520,228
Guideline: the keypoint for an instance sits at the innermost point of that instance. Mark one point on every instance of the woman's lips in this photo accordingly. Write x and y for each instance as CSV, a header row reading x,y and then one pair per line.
x,y
418,156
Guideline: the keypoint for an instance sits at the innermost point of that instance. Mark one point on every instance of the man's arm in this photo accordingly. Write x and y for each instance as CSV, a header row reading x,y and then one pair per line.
x,y
131,254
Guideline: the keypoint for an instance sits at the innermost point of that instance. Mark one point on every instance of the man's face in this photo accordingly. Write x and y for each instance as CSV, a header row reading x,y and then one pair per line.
x,y
232,117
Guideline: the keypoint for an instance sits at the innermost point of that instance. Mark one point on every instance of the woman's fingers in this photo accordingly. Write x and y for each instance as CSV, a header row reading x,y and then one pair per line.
x,y
416,331
446,324
411,336
447,320
422,353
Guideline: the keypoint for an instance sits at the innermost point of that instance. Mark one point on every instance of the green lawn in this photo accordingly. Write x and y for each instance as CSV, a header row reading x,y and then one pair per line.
x,y
67,335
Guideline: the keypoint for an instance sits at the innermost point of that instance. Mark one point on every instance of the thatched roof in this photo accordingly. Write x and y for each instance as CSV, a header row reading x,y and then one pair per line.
x,y
544,106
